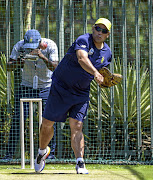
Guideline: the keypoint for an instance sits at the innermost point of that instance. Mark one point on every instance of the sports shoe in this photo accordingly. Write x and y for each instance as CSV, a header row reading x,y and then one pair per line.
x,y
80,168
51,156
8,157
40,160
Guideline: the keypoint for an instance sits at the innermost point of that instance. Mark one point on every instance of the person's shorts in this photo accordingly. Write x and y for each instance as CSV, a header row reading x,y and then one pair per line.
x,y
62,104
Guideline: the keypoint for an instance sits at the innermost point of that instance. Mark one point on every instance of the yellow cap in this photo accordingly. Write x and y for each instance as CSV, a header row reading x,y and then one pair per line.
x,y
105,22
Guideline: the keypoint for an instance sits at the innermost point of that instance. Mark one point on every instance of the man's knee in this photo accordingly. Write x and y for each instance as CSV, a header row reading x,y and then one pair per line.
x,y
47,123
75,125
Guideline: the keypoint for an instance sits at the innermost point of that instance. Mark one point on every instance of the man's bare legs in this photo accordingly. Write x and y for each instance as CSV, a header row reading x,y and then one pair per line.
x,y
77,144
46,133
77,137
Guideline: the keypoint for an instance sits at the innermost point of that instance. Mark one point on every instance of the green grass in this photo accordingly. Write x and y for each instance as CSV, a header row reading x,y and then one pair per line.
x,y
67,172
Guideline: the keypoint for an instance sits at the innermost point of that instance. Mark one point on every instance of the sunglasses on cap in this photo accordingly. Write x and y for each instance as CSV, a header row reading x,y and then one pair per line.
x,y
104,31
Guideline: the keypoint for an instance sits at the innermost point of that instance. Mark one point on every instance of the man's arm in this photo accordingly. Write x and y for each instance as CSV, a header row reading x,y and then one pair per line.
x,y
86,64
51,65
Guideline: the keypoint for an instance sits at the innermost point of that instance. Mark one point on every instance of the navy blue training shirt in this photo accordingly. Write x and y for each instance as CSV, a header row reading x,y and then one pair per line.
x,y
70,75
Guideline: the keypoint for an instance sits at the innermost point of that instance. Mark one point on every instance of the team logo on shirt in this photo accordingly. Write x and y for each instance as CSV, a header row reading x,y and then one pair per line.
x,y
102,60
83,46
91,51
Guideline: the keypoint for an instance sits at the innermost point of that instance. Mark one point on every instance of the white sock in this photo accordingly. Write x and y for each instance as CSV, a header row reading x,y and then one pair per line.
x,y
80,159
42,151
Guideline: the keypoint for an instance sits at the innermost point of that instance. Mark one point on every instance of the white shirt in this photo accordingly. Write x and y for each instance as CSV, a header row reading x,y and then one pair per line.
x,y
39,68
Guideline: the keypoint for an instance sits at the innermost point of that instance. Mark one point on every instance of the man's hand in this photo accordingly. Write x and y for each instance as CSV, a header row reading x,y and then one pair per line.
x,y
98,77
38,53
20,62
51,65
13,64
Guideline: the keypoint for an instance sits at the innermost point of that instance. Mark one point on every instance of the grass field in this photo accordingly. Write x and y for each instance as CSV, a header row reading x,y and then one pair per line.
x,y
67,172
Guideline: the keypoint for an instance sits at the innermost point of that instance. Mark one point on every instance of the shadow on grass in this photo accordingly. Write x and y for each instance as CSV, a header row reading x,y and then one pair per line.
x,y
34,173
134,172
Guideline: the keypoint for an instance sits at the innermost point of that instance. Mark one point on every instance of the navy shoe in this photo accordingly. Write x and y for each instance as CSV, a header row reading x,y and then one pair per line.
x,y
8,157
51,156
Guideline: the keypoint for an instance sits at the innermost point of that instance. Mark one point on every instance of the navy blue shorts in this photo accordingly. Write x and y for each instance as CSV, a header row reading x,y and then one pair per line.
x,y
62,104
